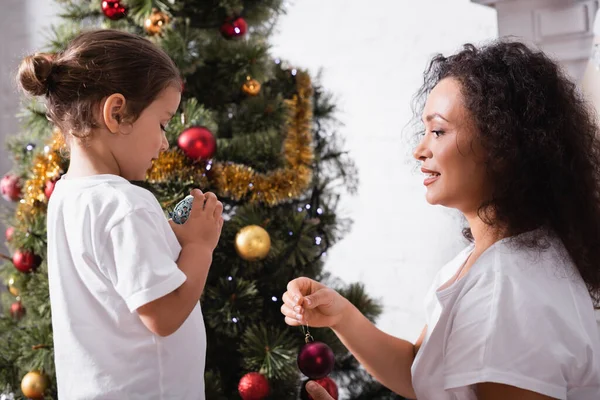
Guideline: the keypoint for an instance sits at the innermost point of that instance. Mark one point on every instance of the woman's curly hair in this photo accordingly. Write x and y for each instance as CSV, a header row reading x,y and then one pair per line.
x,y
540,135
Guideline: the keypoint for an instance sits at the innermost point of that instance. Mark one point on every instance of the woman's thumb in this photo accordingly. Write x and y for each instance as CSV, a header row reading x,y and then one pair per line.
x,y
322,297
317,392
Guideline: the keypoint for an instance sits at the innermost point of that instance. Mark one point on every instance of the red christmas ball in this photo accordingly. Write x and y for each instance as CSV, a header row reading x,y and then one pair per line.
x,y
316,360
10,231
25,261
327,383
10,187
253,386
113,9
17,310
49,188
234,27
198,143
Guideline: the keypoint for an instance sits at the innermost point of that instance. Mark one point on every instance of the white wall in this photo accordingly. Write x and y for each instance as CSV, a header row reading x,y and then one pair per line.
x,y
12,20
24,23
373,55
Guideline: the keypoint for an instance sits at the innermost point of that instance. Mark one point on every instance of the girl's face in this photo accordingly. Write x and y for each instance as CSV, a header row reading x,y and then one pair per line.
x,y
145,140
452,159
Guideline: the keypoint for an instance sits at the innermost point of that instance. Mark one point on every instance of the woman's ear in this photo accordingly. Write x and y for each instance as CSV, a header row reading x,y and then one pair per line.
x,y
113,111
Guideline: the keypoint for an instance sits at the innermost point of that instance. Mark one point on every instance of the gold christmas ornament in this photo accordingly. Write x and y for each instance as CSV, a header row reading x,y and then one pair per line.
x,y
46,166
251,87
239,181
11,286
156,22
252,243
34,384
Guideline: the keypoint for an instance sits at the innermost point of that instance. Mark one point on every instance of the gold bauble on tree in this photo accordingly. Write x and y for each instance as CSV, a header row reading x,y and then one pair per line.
x,y
251,87
34,384
155,23
252,243
10,283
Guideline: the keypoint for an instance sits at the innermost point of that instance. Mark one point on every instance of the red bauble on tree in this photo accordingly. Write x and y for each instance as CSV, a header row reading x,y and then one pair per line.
x,y
10,187
49,188
17,311
253,386
113,9
316,360
198,143
10,231
234,27
25,261
327,383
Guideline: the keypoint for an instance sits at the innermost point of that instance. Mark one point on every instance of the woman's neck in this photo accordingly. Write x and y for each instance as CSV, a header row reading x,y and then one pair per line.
x,y
484,234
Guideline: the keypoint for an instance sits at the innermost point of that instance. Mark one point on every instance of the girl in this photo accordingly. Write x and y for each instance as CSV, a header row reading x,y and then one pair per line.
x,y
510,143
124,285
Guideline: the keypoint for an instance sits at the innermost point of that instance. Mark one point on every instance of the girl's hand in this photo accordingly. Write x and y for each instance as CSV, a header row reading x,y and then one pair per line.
x,y
203,227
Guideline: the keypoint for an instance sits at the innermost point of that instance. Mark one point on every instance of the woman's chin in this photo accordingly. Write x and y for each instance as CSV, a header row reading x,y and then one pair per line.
x,y
432,198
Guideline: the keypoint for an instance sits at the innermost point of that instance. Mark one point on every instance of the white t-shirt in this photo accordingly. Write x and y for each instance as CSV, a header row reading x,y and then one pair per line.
x,y
110,251
520,317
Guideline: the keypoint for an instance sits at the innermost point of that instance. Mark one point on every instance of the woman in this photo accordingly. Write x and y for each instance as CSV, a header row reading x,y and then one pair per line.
x,y
510,143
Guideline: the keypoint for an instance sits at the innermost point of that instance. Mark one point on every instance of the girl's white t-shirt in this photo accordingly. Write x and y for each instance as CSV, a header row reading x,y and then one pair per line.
x,y
110,251
520,316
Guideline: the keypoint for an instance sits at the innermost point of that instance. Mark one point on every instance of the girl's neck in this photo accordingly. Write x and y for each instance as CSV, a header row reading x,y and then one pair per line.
x,y
91,157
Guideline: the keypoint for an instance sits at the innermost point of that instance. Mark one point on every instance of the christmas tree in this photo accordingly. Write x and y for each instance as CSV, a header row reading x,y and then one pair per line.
x,y
258,132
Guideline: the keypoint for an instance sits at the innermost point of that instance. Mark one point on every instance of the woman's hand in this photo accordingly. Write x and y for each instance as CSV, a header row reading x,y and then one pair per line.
x,y
307,302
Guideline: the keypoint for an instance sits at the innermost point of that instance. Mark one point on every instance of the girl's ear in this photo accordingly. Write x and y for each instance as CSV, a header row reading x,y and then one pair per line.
x,y
112,111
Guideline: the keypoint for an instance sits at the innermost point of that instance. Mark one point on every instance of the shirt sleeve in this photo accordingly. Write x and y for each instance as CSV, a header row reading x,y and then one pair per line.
x,y
139,260
502,334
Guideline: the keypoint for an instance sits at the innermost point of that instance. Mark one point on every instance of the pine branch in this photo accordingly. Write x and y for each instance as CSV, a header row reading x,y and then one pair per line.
x,y
270,351
81,11
61,35
261,150
230,304
357,295
192,114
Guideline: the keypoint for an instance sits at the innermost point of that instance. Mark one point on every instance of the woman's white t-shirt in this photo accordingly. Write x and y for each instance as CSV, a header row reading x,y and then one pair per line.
x,y
521,317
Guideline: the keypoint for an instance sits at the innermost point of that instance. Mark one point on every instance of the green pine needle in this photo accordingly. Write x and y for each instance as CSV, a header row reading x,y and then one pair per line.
x,y
357,295
230,304
271,351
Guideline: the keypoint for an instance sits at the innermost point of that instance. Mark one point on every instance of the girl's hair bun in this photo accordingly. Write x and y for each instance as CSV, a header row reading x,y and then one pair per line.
x,y
34,74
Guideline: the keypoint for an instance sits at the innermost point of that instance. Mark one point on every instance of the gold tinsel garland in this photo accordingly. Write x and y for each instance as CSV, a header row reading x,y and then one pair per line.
x,y
237,181
46,166
174,165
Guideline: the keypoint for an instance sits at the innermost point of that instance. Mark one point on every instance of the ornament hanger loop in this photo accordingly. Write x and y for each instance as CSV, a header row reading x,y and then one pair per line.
x,y
307,336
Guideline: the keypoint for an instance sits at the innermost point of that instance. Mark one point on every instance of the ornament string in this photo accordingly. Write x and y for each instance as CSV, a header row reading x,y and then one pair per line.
x,y
307,336
5,257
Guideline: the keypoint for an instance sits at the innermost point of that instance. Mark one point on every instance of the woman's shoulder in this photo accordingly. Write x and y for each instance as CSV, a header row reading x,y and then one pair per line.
x,y
533,276
536,255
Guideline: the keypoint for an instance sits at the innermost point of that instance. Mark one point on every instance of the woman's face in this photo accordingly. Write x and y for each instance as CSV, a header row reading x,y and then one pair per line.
x,y
452,159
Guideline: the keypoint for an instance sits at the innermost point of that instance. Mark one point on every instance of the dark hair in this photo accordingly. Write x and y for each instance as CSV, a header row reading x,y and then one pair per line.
x,y
543,155
93,66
